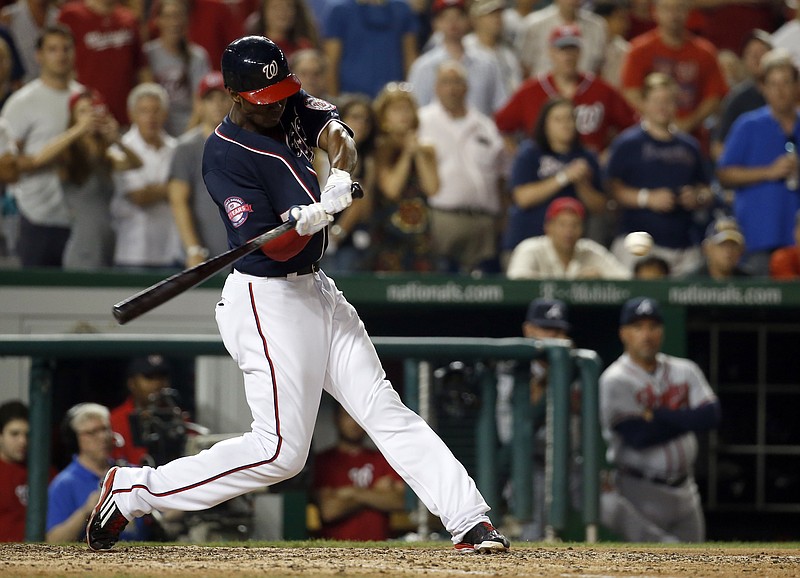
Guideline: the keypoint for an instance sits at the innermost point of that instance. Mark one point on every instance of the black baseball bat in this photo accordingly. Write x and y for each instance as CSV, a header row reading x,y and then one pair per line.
x,y
155,295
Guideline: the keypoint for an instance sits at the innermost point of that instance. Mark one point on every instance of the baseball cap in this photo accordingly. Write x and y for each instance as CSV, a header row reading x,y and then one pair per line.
x,y
549,314
439,5
640,308
97,98
564,204
211,81
566,35
483,7
724,229
148,366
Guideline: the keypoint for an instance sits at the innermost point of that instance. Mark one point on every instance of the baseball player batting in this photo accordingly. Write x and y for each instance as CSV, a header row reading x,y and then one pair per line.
x,y
286,324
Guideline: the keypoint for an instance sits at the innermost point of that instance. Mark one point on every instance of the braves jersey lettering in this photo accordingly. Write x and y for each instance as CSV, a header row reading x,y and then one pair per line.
x,y
676,154
676,396
549,166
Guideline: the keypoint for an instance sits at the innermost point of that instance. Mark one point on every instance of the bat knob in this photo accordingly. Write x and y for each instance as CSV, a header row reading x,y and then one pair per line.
x,y
356,190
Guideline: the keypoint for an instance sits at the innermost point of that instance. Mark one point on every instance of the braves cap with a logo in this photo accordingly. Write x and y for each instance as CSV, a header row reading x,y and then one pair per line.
x,y
548,314
565,36
639,308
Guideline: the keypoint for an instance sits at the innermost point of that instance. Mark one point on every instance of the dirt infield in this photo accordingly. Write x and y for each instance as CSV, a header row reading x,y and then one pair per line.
x,y
529,560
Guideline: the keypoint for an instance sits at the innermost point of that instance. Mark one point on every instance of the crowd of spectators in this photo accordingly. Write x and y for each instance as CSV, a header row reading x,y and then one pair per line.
x,y
472,117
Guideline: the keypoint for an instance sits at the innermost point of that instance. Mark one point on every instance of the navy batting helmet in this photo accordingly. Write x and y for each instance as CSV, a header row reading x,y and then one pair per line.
x,y
257,69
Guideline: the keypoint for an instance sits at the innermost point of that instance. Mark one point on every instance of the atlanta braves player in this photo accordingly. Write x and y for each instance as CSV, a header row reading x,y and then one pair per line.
x,y
286,324
651,405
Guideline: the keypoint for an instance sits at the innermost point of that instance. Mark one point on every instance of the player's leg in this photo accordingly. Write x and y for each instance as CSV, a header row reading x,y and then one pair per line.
x,y
655,503
357,380
268,326
690,525
619,515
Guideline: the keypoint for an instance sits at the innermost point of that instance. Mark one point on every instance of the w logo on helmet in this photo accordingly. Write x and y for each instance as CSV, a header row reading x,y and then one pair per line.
x,y
271,70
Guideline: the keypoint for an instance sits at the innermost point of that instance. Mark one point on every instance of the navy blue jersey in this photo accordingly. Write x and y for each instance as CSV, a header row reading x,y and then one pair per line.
x,y
255,180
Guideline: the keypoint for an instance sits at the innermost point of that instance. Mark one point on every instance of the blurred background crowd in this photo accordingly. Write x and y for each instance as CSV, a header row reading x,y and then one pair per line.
x,y
495,137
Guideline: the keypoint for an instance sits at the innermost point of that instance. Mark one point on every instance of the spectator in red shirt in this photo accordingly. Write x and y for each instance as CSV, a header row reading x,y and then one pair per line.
x,y
108,50
691,61
147,377
728,23
784,263
13,470
354,486
600,111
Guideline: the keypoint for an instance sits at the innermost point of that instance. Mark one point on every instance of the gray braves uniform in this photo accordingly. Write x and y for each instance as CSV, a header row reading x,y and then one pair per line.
x,y
657,481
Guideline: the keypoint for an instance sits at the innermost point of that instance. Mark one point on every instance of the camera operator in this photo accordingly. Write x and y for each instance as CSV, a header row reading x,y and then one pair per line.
x,y
150,424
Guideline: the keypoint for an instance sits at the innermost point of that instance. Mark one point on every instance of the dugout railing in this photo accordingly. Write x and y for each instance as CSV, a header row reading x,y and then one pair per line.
x,y
417,354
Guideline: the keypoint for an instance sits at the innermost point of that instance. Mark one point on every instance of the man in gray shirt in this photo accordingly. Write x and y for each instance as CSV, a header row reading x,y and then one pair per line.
x,y
196,215
37,116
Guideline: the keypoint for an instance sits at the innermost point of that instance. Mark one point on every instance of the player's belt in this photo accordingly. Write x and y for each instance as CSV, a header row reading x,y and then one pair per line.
x,y
307,270
672,482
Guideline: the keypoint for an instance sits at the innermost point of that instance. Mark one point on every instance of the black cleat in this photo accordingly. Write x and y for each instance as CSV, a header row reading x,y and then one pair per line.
x,y
483,538
106,522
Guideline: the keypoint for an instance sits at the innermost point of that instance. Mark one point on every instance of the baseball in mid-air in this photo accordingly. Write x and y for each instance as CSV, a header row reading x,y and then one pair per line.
x,y
639,243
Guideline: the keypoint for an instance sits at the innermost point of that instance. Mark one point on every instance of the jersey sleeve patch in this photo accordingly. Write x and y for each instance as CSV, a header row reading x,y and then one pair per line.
x,y
237,210
315,103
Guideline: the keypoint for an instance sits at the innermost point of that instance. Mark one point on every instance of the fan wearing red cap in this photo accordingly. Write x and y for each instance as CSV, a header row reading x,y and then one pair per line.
x,y
562,253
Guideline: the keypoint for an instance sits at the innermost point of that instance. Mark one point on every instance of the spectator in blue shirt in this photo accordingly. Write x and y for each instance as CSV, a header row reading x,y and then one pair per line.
x,y
75,490
368,44
760,161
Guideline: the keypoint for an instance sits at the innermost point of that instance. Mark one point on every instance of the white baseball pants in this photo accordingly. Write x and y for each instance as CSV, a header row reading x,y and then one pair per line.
x,y
292,337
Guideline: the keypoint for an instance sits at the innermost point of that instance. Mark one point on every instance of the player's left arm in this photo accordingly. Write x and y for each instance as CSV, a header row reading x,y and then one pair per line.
x,y
386,494
697,419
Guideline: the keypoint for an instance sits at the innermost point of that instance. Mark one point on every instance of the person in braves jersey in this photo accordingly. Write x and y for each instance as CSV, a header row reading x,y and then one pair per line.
x,y
652,405
286,324
600,111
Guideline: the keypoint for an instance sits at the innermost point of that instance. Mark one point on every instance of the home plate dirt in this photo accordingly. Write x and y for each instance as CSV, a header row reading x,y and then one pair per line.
x,y
529,560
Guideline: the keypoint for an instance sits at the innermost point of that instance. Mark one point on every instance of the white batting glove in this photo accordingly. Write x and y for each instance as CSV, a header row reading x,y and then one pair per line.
x,y
310,219
338,194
